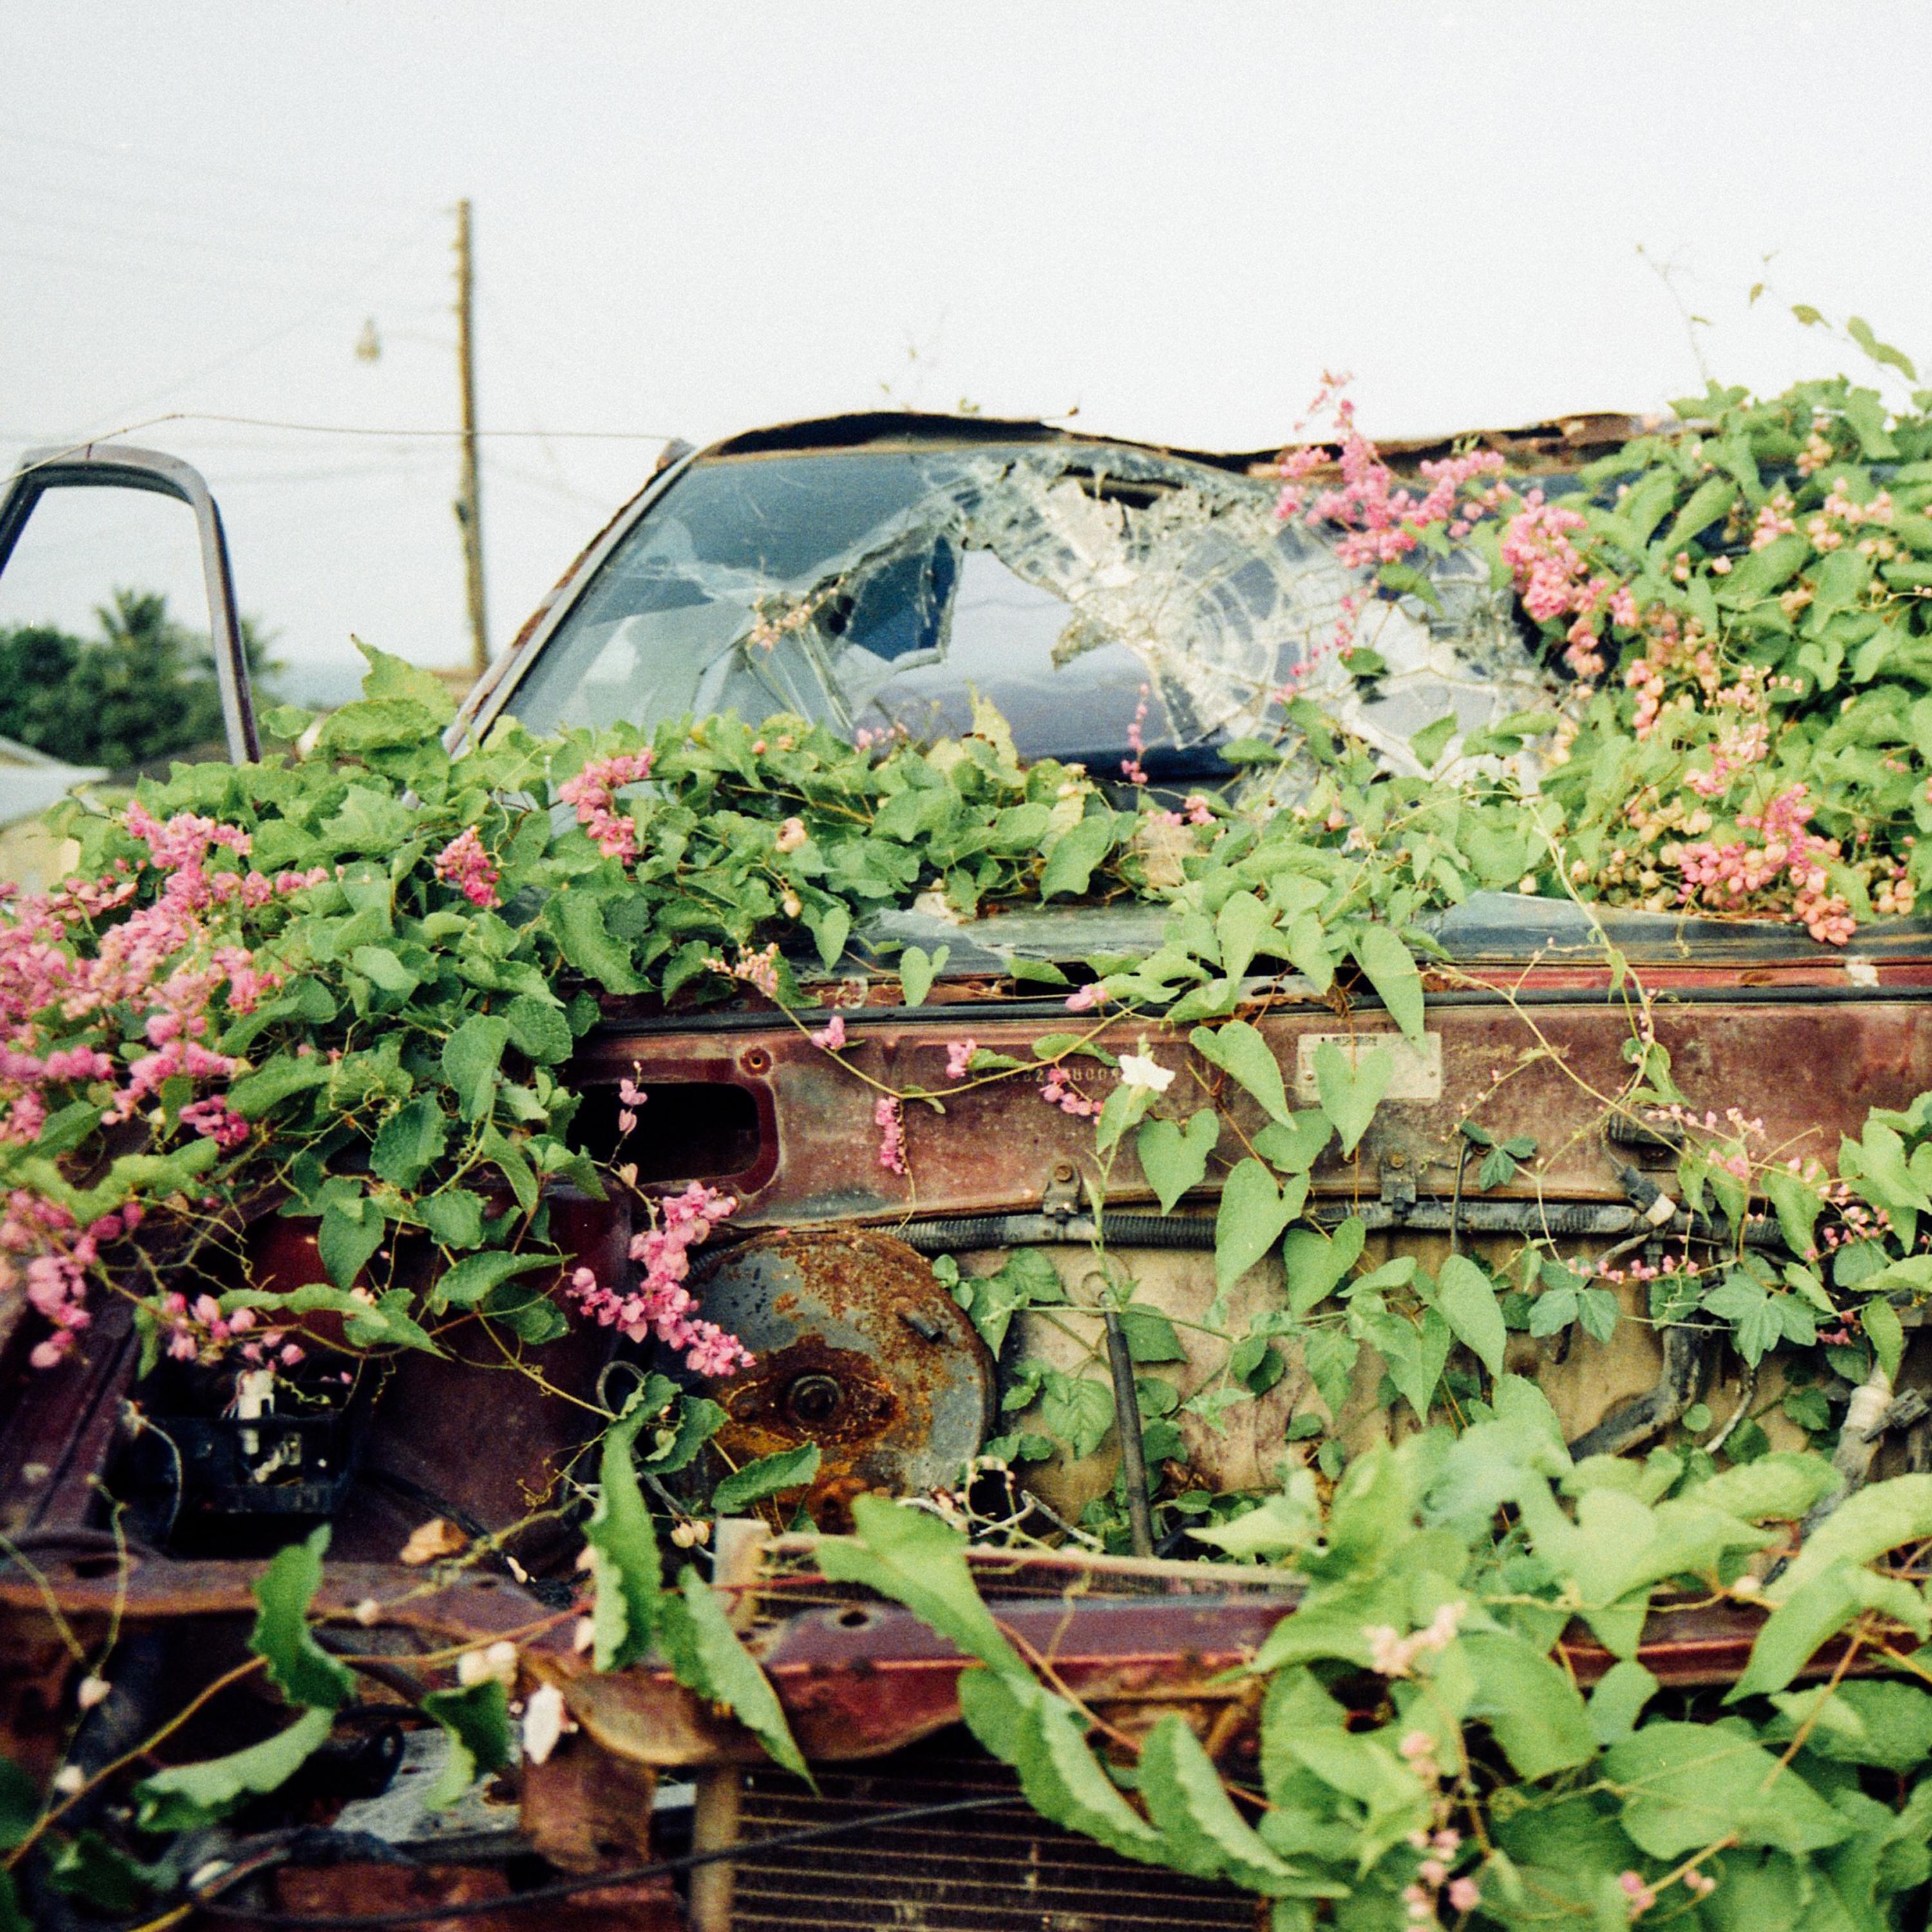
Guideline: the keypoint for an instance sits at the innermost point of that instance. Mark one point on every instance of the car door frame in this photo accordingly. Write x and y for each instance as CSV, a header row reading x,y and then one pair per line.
x,y
119,466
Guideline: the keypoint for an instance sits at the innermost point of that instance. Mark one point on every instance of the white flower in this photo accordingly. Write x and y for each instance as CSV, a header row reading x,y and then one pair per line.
x,y
1139,1069
69,1780
584,1634
478,1666
91,1691
544,1721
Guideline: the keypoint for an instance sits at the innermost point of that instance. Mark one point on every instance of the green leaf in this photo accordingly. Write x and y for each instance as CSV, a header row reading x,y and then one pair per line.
x,y
1861,1721
910,1556
706,1655
465,1284
1175,1159
1039,1736
1467,1297
577,919
1880,1517
1077,1410
1532,1709
1238,1049
1253,1212
345,1239
20,1803
1350,1095
88,1866
539,1028
412,1139
187,1797
393,678
275,1080
625,1568
917,971
455,1215
1295,1149
1860,330
1240,927
1428,743
1619,1700
303,1671
1818,1610
1150,1336
1685,1786
1202,1832
1391,969
830,925
768,1476
1799,1205
383,970
1123,1110
477,1717
388,1324
1884,1331
1070,863
1313,1264
1707,505
471,1057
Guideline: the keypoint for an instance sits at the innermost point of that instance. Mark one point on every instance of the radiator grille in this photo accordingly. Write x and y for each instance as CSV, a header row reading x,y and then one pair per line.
x,y
999,1871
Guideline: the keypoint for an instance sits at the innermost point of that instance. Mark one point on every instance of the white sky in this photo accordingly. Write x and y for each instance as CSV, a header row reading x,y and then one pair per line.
x,y
693,220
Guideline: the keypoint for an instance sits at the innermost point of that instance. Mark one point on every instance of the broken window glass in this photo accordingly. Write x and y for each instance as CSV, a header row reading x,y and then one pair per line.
x,y
1090,591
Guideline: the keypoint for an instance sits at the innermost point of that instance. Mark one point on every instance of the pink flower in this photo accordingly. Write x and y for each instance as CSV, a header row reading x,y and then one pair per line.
x,y
959,1058
593,792
660,1305
1465,1895
791,835
831,1037
889,1119
464,864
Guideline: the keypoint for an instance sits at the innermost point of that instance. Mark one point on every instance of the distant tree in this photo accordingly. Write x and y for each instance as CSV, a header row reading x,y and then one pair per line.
x,y
144,689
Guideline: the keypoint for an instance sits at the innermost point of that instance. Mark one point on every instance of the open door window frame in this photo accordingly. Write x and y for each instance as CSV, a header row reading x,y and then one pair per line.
x,y
117,467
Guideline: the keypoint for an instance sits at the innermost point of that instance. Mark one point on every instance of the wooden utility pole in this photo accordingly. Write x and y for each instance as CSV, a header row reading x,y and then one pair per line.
x,y
469,499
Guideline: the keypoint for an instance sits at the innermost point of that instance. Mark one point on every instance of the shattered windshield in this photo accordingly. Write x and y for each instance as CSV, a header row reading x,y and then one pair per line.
x,y
1103,598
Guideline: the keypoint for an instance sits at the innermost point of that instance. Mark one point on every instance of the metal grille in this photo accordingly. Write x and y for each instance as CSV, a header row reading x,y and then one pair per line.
x,y
997,1871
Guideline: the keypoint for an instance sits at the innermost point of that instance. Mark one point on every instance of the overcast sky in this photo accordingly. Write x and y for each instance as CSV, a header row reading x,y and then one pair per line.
x,y
694,219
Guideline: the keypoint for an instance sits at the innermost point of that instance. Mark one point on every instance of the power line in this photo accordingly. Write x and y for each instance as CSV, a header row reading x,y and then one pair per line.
x,y
150,159
349,429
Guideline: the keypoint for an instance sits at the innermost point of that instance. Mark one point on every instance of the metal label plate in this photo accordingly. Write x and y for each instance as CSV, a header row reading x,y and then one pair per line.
x,y
1417,1075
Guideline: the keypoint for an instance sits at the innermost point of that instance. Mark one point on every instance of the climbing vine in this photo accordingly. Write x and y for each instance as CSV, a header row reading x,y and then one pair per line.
x,y
343,986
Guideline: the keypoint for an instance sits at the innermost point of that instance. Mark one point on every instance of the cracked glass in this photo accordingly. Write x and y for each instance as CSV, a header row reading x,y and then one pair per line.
x,y
1089,591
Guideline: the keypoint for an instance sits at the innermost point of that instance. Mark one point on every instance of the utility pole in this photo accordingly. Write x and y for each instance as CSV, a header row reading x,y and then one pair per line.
x,y
469,504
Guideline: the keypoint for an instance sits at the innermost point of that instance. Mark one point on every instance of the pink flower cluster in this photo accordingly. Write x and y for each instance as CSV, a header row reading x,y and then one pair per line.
x,y
1131,769
1392,1654
59,1255
68,963
959,1058
1789,859
593,792
758,969
1554,581
660,1305
1056,1093
199,1332
1384,521
831,1037
464,864
889,1116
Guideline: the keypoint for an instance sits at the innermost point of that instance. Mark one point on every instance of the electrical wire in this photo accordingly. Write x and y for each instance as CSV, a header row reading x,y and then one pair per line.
x,y
207,1899
345,429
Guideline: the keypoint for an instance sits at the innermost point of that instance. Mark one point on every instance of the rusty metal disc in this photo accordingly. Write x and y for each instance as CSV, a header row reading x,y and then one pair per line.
x,y
859,1350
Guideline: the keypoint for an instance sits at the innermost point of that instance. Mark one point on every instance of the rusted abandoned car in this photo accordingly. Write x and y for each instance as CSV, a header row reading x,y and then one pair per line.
x,y
1132,613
